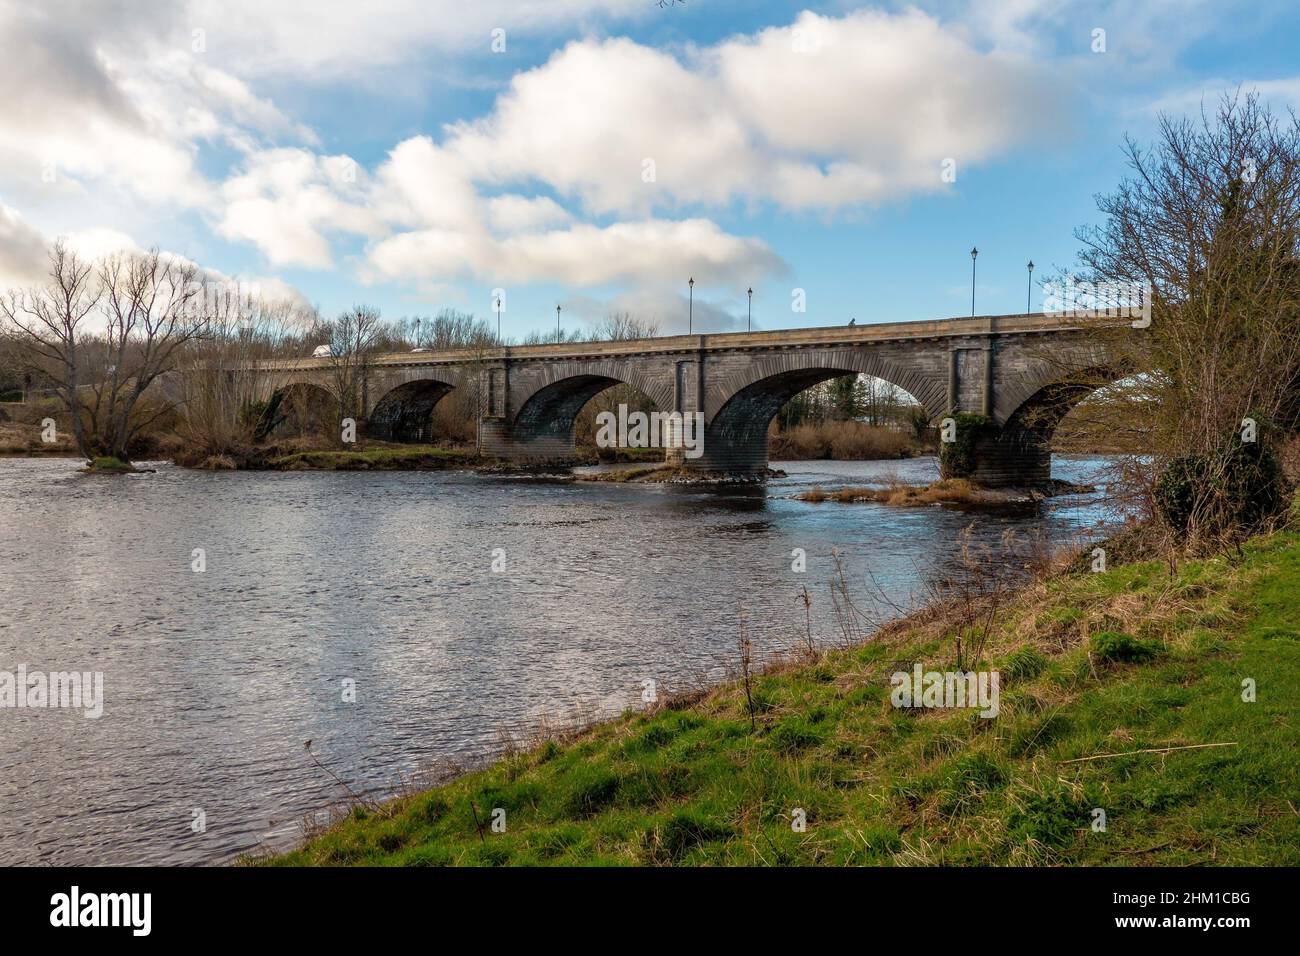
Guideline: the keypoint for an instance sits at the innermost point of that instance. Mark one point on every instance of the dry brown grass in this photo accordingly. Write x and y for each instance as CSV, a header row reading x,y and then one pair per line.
x,y
841,441
18,438
948,491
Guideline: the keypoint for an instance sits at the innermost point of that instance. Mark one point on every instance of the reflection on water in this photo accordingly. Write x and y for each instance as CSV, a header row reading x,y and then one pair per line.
x,y
214,680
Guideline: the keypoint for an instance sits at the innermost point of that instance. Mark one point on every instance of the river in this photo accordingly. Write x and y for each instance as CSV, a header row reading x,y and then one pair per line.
x,y
214,680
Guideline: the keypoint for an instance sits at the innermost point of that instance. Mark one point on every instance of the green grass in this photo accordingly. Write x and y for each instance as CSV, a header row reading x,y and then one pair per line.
x,y
107,464
378,459
1091,664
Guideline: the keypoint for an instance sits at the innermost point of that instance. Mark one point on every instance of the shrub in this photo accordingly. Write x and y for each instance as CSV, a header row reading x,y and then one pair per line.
x,y
1123,648
1239,488
841,441
957,457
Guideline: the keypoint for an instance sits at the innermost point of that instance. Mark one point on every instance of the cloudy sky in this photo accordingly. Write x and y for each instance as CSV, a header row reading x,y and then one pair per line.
x,y
420,154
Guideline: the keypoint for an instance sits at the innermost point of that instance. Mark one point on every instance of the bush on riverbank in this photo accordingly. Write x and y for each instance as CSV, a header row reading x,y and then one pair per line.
x,y
957,457
1160,738
1239,488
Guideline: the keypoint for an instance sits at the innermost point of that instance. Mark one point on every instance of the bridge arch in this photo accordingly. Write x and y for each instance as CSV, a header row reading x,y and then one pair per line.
x,y
1020,451
741,407
305,408
1042,410
404,413
548,412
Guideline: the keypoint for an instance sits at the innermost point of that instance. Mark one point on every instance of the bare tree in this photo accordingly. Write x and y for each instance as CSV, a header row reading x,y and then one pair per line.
x,y
1209,223
225,405
101,334
624,326
354,340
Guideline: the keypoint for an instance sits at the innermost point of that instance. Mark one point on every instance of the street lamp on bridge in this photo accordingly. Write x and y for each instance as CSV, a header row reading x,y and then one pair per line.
x,y
557,323
690,308
973,253
498,320
1029,296
749,321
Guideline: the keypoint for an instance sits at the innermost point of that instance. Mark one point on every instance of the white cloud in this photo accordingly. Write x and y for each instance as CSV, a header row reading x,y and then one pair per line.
x,y
107,95
422,184
286,201
825,113
666,309
582,255
343,38
1280,94
24,259
512,213
22,250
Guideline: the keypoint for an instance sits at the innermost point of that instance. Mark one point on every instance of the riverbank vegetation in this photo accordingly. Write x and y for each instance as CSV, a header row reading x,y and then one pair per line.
x,y
388,458
946,491
1206,382
1160,698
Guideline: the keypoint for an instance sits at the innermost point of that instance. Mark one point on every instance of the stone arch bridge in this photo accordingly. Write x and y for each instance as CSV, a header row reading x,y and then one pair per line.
x,y
1016,370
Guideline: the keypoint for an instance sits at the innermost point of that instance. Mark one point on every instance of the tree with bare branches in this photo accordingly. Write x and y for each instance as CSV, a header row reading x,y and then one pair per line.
x,y
225,405
354,340
1209,223
101,334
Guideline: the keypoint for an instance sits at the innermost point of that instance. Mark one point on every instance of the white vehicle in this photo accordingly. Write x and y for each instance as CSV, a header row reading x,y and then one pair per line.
x,y
420,349
322,351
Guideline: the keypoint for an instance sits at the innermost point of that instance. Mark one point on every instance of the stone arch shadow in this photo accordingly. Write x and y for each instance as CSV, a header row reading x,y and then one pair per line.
x,y
304,408
404,413
545,423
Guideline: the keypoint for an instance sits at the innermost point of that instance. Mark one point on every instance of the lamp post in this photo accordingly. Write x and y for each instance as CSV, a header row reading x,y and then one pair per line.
x,y
498,320
973,253
1029,296
749,322
557,323
690,309
417,332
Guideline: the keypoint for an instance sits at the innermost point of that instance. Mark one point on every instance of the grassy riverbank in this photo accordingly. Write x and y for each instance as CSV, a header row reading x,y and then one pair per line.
x,y
1113,686
386,458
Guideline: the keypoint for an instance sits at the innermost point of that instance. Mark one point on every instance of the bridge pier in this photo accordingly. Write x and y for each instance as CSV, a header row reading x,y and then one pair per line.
x,y
1009,457
496,441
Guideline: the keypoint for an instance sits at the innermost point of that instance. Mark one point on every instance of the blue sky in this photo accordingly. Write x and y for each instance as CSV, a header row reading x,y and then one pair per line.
x,y
387,153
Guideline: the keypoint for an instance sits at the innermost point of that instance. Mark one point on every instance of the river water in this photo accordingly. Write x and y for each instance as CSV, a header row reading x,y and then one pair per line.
x,y
214,680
